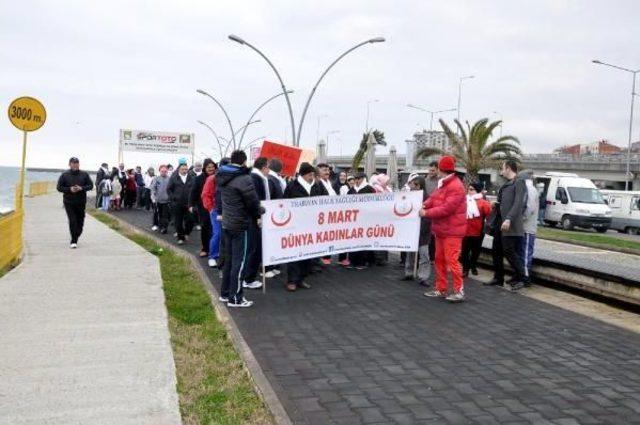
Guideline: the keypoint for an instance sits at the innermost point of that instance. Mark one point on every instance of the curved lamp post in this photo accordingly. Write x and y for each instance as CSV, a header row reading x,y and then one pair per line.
x,y
284,89
214,135
257,110
233,136
313,90
431,113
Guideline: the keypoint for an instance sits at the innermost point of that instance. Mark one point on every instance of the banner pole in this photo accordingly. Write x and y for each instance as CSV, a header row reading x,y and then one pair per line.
x,y
264,280
415,265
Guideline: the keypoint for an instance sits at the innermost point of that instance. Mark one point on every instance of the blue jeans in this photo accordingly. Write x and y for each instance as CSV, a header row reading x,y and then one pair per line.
x,y
528,243
105,202
216,234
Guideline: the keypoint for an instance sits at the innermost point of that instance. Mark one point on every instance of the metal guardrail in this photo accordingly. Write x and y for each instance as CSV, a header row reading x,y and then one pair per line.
x,y
11,235
41,188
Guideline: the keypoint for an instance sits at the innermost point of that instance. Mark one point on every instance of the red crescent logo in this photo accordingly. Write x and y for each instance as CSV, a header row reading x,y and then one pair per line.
x,y
399,214
280,224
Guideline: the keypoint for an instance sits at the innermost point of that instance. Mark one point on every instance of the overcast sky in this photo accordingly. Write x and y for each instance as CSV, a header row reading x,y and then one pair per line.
x,y
99,66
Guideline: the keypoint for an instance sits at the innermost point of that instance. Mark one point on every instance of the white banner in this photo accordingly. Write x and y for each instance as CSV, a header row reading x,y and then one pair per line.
x,y
156,142
302,228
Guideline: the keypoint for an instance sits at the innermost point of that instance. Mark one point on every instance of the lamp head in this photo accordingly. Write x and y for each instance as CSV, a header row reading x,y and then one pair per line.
x,y
201,91
596,61
236,39
377,40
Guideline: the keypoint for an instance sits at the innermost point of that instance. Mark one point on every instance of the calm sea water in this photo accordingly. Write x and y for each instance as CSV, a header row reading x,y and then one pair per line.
x,y
10,176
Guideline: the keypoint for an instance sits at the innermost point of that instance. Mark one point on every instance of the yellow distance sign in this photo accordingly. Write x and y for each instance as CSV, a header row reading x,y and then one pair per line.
x,y
27,113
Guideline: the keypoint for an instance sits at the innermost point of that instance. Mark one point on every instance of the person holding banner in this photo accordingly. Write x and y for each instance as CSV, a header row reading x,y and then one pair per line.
x,y
240,205
424,263
447,209
360,259
301,187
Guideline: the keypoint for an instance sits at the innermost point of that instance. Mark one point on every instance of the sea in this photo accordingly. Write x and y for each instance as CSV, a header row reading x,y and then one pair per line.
x,y
10,176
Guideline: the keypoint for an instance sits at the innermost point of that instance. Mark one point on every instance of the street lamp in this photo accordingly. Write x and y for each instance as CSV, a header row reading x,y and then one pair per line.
x,y
368,103
284,89
214,135
329,134
202,92
468,77
313,90
431,113
633,98
257,110
318,127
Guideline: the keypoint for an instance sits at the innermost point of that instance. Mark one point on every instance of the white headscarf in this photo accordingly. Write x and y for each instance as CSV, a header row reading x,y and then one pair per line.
x,y
472,205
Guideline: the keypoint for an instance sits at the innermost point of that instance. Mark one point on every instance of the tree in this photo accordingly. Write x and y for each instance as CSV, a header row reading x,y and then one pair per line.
x,y
473,148
362,150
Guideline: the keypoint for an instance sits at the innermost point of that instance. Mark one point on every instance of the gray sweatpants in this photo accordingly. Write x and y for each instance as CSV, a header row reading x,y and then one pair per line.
x,y
424,266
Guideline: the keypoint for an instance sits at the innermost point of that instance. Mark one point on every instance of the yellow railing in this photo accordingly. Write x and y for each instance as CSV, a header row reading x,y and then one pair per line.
x,y
11,237
41,188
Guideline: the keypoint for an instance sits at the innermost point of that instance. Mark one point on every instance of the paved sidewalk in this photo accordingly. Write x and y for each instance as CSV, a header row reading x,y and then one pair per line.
x,y
363,347
83,333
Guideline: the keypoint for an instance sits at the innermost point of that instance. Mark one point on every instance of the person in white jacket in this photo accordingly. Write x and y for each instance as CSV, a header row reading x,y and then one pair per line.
x,y
530,221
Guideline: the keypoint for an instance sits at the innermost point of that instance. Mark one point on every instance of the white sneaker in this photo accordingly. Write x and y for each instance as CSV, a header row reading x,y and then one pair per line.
x,y
256,284
223,299
455,297
434,294
154,228
198,227
175,235
276,272
73,246
180,242
269,274
244,303
213,262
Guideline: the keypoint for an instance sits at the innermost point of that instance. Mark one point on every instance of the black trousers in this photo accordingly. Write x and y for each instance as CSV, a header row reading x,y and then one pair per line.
x,y
362,258
297,271
508,247
255,252
182,220
236,258
162,215
75,214
432,248
205,232
471,246
129,198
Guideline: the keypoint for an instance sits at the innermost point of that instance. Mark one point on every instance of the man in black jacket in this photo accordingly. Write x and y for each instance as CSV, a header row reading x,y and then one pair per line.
x,y
75,184
301,187
240,206
179,189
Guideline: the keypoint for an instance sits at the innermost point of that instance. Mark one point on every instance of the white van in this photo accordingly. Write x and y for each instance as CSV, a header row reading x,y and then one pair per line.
x,y
625,210
573,201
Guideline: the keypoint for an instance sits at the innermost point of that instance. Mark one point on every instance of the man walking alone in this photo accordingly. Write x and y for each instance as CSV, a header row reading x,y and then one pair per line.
x,y
74,184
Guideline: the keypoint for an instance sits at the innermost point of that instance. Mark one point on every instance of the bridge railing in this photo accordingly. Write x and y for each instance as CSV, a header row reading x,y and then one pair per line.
x,y
11,237
41,188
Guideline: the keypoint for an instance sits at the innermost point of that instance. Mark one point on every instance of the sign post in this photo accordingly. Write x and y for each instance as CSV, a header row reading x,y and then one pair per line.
x,y
26,114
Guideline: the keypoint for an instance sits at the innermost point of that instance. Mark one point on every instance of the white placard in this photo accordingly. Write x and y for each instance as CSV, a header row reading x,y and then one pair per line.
x,y
156,142
302,228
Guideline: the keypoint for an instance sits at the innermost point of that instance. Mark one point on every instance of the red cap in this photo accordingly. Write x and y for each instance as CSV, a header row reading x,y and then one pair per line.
x,y
447,163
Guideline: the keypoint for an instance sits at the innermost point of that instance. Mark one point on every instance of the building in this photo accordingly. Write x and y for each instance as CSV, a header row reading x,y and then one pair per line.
x,y
635,147
601,147
426,139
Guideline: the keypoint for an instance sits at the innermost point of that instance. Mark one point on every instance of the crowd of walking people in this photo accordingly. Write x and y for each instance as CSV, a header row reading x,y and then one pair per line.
x,y
223,202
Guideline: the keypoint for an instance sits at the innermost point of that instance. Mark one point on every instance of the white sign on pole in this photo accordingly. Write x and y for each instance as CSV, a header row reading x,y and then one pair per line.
x,y
302,228
156,142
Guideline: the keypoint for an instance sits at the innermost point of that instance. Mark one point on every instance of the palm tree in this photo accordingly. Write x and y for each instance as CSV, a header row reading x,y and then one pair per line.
x,y
359,156
473,148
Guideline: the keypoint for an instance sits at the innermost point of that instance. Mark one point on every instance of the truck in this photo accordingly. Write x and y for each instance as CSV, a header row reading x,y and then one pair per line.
x,y
573,201
625,210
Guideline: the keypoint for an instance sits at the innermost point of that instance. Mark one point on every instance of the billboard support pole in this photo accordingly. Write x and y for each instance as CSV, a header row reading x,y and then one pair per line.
x,y
193,148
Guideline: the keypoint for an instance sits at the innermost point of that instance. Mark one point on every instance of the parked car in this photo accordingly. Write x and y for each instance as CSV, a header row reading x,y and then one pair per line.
x,y
625,210
573,201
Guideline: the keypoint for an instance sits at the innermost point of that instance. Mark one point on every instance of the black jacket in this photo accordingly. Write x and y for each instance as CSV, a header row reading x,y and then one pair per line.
x,y
366,189
101,175
512,202
275,189
74,178
240,202
178,191
258,184
295,190
318,189
195,197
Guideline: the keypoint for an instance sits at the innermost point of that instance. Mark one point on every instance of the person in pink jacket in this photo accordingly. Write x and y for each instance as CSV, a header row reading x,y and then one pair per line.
x,y
447,209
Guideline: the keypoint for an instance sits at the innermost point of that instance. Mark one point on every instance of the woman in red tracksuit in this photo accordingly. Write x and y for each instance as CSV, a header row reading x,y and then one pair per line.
x,y
477,210
447,209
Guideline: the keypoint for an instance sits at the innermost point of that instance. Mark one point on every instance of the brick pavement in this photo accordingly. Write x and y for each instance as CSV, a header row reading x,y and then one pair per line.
x,y
362,347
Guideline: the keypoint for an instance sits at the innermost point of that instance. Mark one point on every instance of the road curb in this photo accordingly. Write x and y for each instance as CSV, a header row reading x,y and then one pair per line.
x,y
258,378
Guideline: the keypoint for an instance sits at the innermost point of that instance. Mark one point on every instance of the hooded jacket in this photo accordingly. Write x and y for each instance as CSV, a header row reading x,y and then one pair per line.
x,y
74,178
447,208
530,216
239,201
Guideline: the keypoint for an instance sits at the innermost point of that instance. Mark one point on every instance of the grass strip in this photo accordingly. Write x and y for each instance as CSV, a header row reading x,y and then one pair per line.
x,y
213,385
590,239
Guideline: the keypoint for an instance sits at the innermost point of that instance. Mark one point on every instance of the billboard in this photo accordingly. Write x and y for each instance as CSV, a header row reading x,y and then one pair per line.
x,y
156,142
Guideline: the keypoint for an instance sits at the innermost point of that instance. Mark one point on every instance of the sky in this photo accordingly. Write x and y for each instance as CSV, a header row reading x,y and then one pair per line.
x,y
101,66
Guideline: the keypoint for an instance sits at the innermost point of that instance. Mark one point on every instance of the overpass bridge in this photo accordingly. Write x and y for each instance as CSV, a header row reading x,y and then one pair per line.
x,y
606,170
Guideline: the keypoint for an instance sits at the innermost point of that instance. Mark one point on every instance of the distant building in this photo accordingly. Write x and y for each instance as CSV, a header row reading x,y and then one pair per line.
x,y
425,139
635,147
601,147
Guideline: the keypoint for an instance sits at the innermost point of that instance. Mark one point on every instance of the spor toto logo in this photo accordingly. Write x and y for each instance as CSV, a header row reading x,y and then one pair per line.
x,y
281,217
403,207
